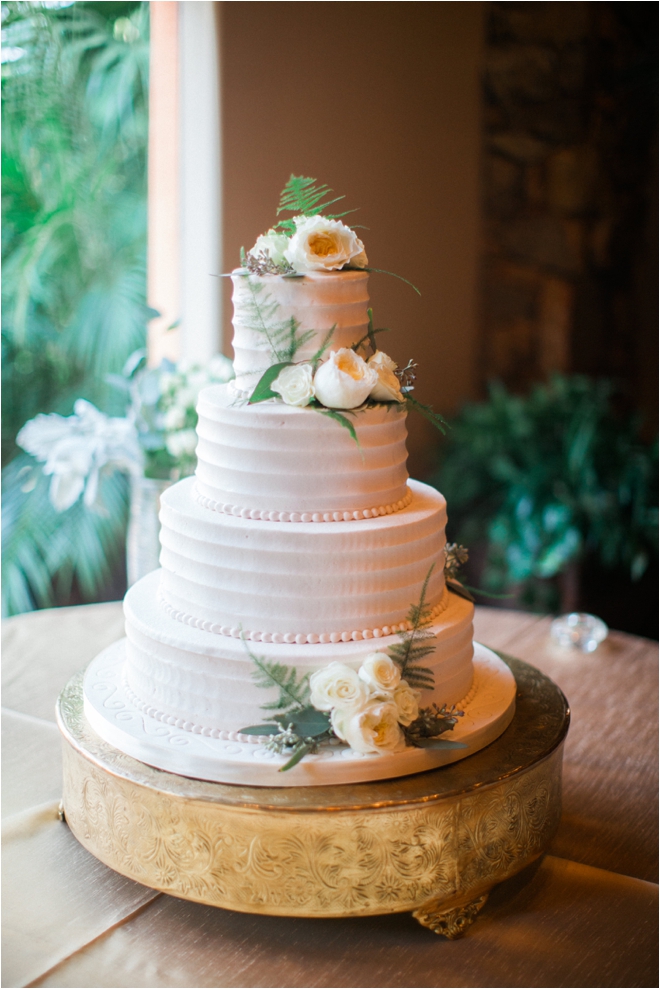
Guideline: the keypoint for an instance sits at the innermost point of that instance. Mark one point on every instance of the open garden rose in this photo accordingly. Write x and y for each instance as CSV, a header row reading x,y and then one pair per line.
x,y
373,728
295,385
320,244
344,381
337,686
388,386
272,244
380,672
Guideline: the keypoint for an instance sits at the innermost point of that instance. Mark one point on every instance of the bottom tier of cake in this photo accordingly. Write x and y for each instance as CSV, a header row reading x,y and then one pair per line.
x,y
200,681
113,712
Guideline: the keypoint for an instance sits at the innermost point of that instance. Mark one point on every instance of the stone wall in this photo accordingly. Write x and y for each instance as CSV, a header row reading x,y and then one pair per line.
x,y
569,192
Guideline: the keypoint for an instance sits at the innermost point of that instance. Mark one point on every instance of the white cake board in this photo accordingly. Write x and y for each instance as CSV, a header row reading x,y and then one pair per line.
x,y
113,716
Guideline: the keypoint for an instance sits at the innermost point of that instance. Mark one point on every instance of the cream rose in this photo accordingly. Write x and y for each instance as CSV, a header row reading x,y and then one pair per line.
x,y
379,672
388,386
323,245
295,384
344,381
336,686
373,728
407,702
272,244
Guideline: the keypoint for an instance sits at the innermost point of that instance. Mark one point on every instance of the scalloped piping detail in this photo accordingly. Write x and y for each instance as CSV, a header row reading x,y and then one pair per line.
x,y
234,736
264,515
301,638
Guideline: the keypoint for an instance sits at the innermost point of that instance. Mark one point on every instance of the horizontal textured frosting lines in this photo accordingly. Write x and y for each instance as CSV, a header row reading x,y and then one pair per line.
x,y
307,578
276,458
317,301
186,672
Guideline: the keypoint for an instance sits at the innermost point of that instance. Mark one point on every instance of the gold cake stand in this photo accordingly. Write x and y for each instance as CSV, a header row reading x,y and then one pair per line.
x,y
434,843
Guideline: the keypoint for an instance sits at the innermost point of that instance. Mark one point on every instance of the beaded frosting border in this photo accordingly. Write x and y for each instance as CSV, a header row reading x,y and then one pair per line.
x,y
300,638
265,515
185,724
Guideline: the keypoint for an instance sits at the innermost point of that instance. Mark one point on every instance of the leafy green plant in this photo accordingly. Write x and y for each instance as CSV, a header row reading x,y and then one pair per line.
x,y
548,480
74,89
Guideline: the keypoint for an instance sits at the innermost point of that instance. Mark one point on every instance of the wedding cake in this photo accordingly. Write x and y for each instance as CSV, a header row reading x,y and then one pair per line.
x,y
303,617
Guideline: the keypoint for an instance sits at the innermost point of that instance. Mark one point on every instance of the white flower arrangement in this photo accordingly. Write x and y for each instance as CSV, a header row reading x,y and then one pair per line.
x,y
366,707
76,449
156,437
313,239
374,709
322,244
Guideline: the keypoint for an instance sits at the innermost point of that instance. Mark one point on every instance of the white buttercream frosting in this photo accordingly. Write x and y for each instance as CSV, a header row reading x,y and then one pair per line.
x,y
186,673
318,301
300,578
277,458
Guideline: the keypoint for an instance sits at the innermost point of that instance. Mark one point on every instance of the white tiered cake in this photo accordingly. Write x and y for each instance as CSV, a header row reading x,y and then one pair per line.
x,y
301,546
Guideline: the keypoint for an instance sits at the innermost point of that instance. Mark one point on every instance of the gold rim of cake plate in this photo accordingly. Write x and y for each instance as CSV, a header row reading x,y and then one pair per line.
x,y
434,843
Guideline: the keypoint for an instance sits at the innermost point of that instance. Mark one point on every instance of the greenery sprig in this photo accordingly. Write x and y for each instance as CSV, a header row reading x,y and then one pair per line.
x,y
302,197
433,721
414,643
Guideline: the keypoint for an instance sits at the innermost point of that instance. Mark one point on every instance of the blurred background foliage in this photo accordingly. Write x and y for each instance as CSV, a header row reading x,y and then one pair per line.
x,y
555,493
74,155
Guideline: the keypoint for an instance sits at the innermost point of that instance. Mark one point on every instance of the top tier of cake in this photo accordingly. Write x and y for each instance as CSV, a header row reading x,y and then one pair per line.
x,y
264,306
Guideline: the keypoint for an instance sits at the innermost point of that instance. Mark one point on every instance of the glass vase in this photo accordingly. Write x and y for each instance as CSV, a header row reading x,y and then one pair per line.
x,y
142,542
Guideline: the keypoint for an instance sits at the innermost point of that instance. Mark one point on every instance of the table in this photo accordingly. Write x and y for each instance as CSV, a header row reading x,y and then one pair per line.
x,y
584,916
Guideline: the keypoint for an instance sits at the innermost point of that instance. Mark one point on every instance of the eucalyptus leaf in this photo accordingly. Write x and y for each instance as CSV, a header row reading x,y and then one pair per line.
x,y
307,722
263,391
457,588
260,730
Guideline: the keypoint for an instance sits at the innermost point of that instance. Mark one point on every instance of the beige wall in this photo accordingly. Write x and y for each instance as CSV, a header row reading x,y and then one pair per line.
x,y
381,102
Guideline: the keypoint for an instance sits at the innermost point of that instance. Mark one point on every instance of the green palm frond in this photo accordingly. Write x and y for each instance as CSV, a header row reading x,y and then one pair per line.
x,y
45,552
74,152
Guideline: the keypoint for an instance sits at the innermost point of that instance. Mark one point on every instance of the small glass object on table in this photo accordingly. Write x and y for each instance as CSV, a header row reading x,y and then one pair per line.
x,y
580,630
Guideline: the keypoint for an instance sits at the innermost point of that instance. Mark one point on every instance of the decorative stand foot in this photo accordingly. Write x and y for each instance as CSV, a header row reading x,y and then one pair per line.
x,y
60,811
451,922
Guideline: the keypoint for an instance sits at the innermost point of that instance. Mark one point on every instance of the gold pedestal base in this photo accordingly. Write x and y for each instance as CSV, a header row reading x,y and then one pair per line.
x,y
434,843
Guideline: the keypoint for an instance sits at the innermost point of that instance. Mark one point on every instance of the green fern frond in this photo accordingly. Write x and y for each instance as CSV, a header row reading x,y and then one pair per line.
x,y
415,642
324,346
293,690
433,417
301,196
283,336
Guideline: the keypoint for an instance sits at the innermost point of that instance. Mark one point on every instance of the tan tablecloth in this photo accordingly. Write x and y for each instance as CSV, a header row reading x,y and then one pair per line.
x,y
584,916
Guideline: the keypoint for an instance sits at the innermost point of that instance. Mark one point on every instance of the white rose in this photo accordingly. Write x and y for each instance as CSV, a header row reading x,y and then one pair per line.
x,y
373,728
182,443
407,702
336,685
323,245
344,381
295,384
388,386
272,244
379,672
359,261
